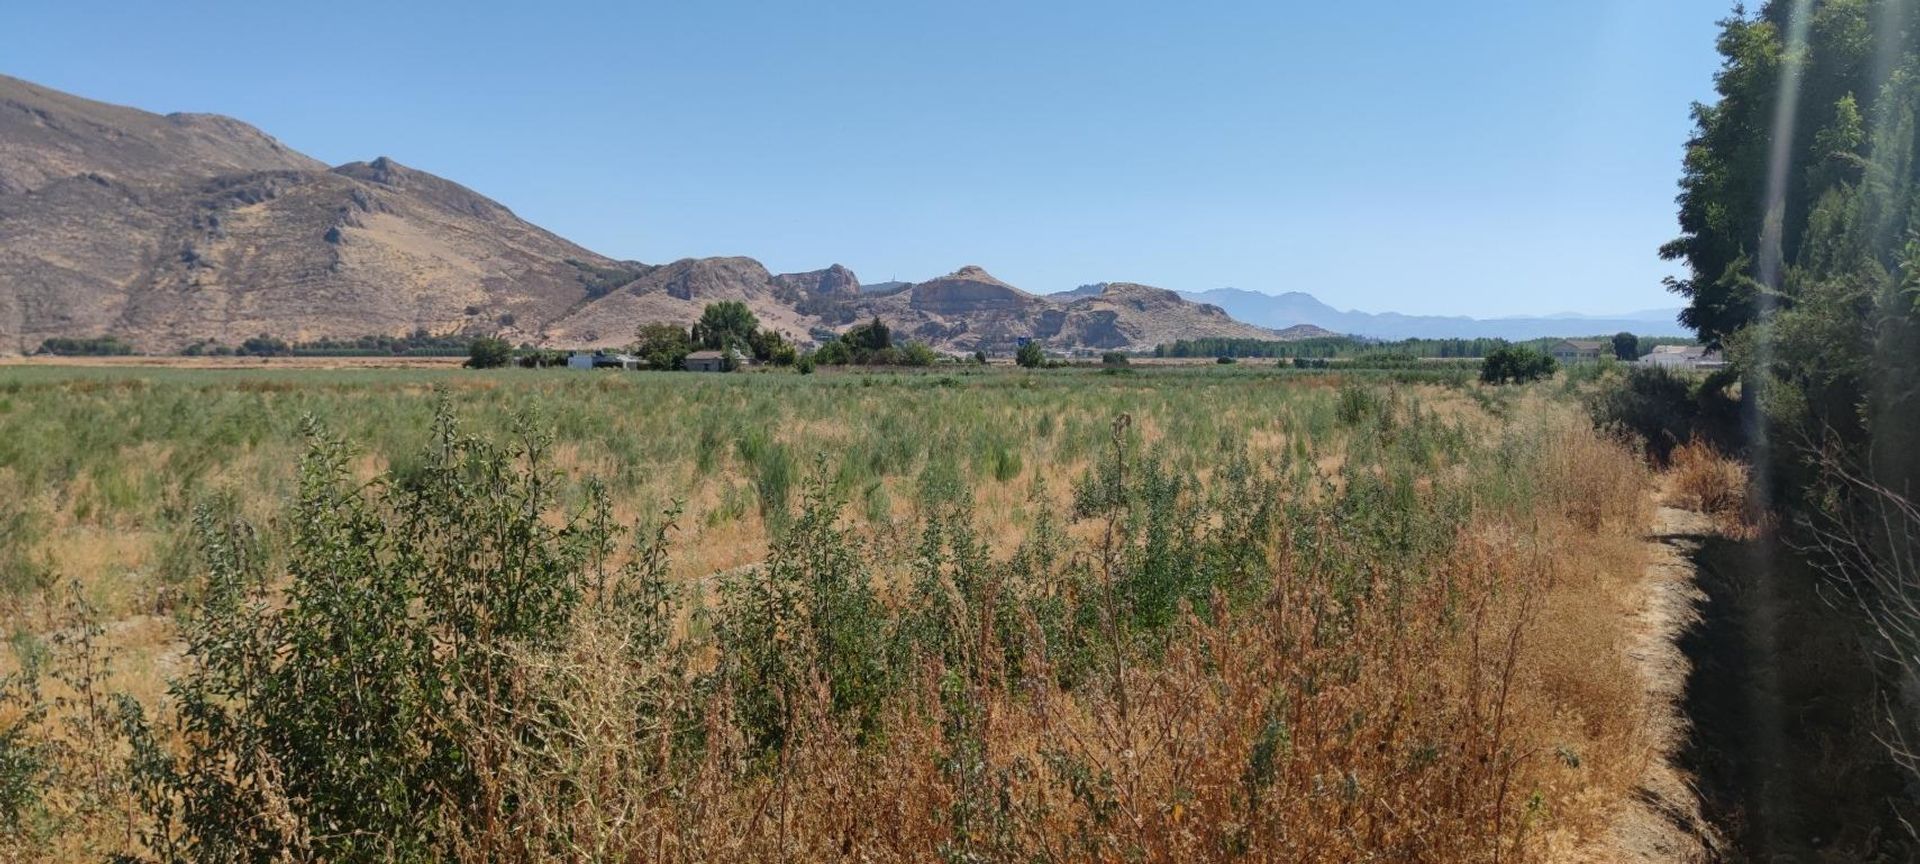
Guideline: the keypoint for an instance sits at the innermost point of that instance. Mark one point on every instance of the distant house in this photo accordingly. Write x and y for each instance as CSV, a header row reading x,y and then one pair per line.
x,y
712,361
602,360
1684,357
1579,350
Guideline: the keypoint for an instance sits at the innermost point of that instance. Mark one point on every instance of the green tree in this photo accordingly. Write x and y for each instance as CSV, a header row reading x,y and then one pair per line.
x,y
726,324
1626,346
871,336
1113,358
769,346
1798,222
835,352
1030,355
487,352
663,346
1516,364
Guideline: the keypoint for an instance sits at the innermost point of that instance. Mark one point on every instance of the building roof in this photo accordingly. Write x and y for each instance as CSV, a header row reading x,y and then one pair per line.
x,y
1681,350
708,355
1587,344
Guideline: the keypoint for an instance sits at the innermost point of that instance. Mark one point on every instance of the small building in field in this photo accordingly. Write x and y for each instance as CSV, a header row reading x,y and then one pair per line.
x,y
1569,351
1684,357
712,361
602,360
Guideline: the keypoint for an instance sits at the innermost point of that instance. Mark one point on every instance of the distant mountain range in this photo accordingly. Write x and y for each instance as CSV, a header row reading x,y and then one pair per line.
x,y
1284,310
165,231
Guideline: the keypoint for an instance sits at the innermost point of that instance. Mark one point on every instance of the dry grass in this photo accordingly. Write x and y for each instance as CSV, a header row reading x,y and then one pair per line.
x,y
1487,715
1709,482
1482,712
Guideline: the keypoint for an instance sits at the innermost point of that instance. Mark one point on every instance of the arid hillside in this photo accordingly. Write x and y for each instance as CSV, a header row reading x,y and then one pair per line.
x,y
165,231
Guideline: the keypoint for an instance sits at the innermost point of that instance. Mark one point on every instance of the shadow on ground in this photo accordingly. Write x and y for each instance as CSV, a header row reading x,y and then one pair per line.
x,y
1781,699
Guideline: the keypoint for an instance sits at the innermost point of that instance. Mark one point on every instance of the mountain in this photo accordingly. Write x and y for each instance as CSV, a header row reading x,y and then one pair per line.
x,y
969,308
1294,307
166,231
966,310
47,136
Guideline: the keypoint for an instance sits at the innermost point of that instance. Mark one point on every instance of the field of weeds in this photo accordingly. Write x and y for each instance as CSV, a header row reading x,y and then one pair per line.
x,y
1179,614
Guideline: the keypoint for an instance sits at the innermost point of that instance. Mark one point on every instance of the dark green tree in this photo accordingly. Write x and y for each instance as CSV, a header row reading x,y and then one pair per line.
x,y
1516,364
1030,355
726,324
871,336
487,352
1626,346
663,346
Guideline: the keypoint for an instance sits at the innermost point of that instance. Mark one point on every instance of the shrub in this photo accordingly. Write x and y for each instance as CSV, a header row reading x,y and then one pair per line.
x,y
264,345
1652,403
917,354
1113,358
1030,355
1224,360
1709,481
489,353
349,708
835,352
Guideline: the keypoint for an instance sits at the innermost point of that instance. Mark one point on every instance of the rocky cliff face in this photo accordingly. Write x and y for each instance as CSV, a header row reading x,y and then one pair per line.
x,y
835,281
169,230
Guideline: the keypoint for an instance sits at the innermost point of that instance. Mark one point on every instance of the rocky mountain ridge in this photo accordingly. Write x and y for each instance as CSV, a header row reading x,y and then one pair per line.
x,y
165,231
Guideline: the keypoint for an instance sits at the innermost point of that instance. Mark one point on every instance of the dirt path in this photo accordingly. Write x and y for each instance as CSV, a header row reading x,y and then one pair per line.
x,y
1665,821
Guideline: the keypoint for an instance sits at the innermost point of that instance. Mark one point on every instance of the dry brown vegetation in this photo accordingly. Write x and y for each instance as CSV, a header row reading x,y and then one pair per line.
x,y
1709,482
1390,628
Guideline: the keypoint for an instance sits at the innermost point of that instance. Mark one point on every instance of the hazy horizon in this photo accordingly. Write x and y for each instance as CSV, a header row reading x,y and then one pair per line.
x,y
1361,156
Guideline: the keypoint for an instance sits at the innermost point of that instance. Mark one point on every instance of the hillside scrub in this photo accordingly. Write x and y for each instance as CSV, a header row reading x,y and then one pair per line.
x,y
1388,638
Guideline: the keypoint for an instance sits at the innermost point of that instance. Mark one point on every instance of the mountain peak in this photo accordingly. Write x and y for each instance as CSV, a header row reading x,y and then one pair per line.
x,y
973,273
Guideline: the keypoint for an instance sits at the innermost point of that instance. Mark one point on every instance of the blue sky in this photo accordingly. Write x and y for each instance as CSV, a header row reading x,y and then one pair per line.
x,y
1505,157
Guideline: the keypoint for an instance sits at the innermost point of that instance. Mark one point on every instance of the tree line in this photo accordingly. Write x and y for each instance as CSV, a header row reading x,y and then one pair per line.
x,y
1800,235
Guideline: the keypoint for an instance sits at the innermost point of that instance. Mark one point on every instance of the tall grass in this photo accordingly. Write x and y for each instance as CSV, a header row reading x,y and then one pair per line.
x,y
1202,616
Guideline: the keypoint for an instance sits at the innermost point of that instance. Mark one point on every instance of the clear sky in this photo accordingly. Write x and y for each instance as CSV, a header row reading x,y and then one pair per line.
x,y
1497,157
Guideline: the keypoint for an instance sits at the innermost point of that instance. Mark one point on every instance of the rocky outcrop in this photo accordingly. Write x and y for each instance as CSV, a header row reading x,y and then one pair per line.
x,y
835,281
